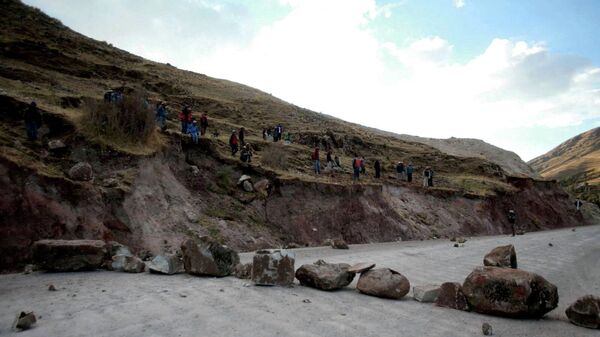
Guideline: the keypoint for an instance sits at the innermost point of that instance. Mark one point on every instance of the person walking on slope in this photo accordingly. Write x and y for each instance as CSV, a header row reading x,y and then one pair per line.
x,y
428,177
33,121
356,166
246,153
578,204
400,170
377,167
512,219
233,143
363,170
161,115
185,116
316,160
409,172
329,160
203,123
193,131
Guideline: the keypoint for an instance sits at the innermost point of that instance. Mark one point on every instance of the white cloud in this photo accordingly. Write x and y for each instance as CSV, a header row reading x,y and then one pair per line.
x,y
459,3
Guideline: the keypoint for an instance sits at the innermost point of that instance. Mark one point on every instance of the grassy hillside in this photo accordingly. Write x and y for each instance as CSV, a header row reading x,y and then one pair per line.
x,y
576,164
42,59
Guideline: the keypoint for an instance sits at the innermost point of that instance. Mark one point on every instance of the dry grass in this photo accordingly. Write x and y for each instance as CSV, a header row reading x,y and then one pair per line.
x,y
275,156
478,185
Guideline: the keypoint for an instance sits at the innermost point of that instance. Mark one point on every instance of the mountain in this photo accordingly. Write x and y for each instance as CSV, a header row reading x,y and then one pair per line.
x,y
510,162
150,189
575,163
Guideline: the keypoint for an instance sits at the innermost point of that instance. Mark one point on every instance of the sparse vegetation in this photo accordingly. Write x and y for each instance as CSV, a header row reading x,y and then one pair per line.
x,y
129,121
223,178
274,156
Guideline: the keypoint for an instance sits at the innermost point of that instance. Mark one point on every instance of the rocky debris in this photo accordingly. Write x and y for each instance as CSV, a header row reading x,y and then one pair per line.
x,y
361,267
262,187
194,170
339,244
292,245
585,312
115,248
110,182
550,244
306,300
243,271
273,267
244,178
509,292
164,264
208,258
29,268
24,321
128,264
247,186
461,240
56,145
69,255
51,287
486,329
383,282
426,293
453,239
573,230
451,296
502,256
81,171
325,276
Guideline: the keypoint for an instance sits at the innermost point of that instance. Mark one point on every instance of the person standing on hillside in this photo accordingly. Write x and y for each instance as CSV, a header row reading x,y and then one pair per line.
x,y
193,131
363,169
512,219
185,117
203,123
428,177
316,160
33,121
161,115
409,172
336,160
233,143
400,170
246,153
377,168
578,204
356,166
329,160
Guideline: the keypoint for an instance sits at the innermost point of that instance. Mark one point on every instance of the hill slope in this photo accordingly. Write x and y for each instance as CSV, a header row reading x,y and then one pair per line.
x,y
151,195
467,147
575,162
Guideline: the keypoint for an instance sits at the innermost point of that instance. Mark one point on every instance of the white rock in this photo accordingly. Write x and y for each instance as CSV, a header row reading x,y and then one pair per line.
x,y
426,293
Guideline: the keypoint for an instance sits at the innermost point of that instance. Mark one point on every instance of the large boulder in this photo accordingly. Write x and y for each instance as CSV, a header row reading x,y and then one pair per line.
x,y
208,258
502,256
165,264
383,282
81,171
509,292
273,267
451,296
128,264
69,255
585,312
325,276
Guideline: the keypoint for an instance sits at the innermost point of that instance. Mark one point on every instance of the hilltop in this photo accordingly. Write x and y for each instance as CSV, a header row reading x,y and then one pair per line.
x,y
576,164
152,194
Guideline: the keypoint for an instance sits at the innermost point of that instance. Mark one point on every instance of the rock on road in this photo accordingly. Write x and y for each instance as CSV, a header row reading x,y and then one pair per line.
x,y
115,304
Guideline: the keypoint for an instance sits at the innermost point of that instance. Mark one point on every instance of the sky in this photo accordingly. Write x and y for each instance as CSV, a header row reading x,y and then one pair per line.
x,y
521,75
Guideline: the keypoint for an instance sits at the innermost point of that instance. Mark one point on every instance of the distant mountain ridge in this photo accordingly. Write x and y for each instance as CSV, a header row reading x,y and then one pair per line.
x,y
469,147
575,163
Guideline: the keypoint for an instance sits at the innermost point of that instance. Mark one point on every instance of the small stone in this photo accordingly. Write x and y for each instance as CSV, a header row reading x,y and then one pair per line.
x,y
182,295
51,287
247,185
585,312
426,293
361,267
28,269
453,239
24,321
486,328
339,244
56,144
243,271
456,245
222,290
306,300
195,170
550,244
461,240
573,230
81,171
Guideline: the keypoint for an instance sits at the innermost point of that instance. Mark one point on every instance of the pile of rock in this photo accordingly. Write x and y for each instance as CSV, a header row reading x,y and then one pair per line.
x,y
208,258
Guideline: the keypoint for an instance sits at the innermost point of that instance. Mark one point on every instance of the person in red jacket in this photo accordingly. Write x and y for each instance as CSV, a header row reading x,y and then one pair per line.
x,y
185,116
233,143
203,123
316,160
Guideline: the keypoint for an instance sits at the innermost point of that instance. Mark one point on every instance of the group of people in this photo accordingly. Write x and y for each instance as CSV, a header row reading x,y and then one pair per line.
x,y
404,172
236,140
273,133
189,125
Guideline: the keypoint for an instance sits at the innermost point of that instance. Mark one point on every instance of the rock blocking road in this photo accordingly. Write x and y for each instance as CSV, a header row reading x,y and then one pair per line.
x,y
106,303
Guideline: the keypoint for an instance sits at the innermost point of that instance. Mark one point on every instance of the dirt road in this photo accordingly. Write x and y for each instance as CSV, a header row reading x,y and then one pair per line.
x,y
117,304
